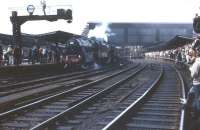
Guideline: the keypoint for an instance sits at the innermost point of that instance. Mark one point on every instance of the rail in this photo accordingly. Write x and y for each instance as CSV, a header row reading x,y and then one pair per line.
x,y
113,125
75,89
85,102
183,116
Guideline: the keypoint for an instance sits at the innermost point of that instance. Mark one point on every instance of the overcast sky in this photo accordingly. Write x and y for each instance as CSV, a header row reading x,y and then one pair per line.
x,y
100,10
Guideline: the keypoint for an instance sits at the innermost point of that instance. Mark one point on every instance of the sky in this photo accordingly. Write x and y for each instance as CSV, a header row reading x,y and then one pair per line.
x,y
106,11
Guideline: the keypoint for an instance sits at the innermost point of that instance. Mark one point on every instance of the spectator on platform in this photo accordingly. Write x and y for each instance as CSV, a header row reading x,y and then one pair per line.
x,y
171,55
34,54
40,56
183,54
1,56
194,92
179,59
9,54
44,55
57,54
178,56
190,56
187,56
17,54
174,54
29,55
49,55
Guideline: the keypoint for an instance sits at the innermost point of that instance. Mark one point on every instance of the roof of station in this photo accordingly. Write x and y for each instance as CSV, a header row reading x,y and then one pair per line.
x,y
177,41
56,36
29,39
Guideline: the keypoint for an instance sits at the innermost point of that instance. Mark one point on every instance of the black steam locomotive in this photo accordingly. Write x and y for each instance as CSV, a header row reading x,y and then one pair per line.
x,y
84,52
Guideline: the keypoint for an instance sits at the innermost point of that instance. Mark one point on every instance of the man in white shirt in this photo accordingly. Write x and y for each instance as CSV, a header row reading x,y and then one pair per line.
x,y
192,101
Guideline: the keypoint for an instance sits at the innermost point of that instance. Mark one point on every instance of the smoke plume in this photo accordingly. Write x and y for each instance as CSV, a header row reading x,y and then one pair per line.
x,y
101,31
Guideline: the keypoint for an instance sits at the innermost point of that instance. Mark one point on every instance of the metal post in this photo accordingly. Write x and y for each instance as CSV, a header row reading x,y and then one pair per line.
x,y
17,38
17,21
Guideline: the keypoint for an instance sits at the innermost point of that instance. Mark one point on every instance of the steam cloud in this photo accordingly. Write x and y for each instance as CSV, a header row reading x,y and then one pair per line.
x,y
102,31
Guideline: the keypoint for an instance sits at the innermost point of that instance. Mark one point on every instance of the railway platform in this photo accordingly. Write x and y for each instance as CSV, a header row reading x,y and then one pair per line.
x,y
29,68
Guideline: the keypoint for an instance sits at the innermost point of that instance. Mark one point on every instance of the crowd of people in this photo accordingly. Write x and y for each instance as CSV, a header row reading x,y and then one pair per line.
x,y
189,54
14,55
182,54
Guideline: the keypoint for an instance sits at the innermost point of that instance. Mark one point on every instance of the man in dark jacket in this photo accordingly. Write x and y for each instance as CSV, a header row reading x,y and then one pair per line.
x,y
17,55
1,55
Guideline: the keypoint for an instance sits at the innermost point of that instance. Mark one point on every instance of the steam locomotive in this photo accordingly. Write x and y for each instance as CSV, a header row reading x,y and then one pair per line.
x,y
84,52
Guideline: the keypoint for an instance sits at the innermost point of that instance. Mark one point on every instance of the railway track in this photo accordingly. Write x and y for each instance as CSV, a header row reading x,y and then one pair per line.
x,y
33,84
21,77
36,90
157,109
32,114
90,114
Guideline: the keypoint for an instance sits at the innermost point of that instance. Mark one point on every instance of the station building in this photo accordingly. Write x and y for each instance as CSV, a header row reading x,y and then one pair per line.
x,y
133,36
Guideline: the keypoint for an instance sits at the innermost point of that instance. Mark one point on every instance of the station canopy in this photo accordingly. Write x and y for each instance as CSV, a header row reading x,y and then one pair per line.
x,y
28,40
56,36
177,41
